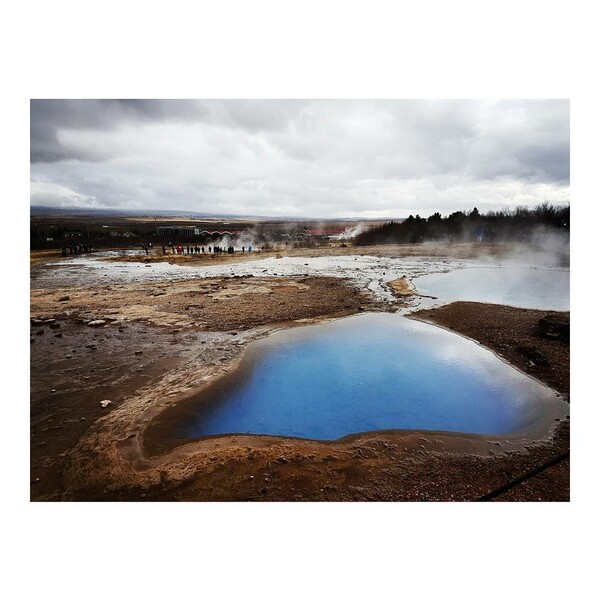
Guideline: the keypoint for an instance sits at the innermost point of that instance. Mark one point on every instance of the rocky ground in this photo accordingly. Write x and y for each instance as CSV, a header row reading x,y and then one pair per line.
x,y
98,390
210,304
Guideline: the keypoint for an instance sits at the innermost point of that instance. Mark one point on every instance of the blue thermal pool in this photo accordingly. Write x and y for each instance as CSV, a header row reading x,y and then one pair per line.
x,y
364,373
544,289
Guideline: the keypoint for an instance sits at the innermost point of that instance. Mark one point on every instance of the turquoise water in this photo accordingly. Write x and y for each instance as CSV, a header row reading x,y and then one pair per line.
x,y
369,372
543,289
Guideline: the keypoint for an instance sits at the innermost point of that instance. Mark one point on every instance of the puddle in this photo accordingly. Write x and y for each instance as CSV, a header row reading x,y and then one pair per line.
x,y
364,373
523,287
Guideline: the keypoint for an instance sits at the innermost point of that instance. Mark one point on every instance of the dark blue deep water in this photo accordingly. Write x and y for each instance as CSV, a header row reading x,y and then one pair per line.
x,y
369,372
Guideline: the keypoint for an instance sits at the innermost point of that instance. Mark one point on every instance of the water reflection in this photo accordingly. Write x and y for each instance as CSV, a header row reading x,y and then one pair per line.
x,y
544,289
370,372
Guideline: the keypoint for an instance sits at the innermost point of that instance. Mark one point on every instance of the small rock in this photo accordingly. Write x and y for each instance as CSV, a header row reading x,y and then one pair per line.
x,y
139,352
58,335
97,323
64,298
105,403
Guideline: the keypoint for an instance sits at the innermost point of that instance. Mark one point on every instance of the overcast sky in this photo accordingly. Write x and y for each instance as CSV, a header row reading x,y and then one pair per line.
x,y
325,158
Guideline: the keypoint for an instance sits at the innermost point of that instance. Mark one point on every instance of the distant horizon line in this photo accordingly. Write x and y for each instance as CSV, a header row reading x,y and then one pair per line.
x,y
47,210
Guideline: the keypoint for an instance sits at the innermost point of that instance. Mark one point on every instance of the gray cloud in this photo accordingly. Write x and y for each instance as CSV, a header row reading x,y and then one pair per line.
x,y
49,117
319,158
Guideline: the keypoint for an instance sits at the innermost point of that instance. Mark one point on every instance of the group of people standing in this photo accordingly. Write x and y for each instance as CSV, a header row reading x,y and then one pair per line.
x,y
200,249
75,249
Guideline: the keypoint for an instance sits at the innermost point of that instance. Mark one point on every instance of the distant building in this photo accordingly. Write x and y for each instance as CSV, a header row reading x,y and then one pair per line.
x,y
181,230
214,231
126,234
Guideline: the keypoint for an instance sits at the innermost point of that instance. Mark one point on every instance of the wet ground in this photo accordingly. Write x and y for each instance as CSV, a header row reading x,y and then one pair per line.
x,y
364,271
191,326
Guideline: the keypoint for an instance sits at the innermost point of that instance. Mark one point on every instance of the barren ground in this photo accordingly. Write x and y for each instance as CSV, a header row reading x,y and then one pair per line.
x,y
160,342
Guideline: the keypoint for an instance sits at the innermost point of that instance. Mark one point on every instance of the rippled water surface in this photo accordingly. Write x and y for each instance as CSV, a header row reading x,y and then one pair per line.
x,y
369,372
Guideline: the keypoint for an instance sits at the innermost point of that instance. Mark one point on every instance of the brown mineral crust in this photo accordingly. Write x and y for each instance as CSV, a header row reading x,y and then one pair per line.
x,y
401,287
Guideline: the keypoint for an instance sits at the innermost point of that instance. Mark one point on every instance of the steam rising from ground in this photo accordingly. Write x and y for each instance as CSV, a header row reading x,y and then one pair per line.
x,y
545,248
351,232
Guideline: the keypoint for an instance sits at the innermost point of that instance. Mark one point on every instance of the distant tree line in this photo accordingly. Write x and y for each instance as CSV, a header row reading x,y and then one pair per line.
x,y
515,225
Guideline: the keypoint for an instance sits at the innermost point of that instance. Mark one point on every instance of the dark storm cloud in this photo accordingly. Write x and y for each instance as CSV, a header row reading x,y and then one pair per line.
x,y
48,117
284,157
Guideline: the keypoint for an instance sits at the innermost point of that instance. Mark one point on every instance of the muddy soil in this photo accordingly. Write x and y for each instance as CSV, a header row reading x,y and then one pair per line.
x,y
73,374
